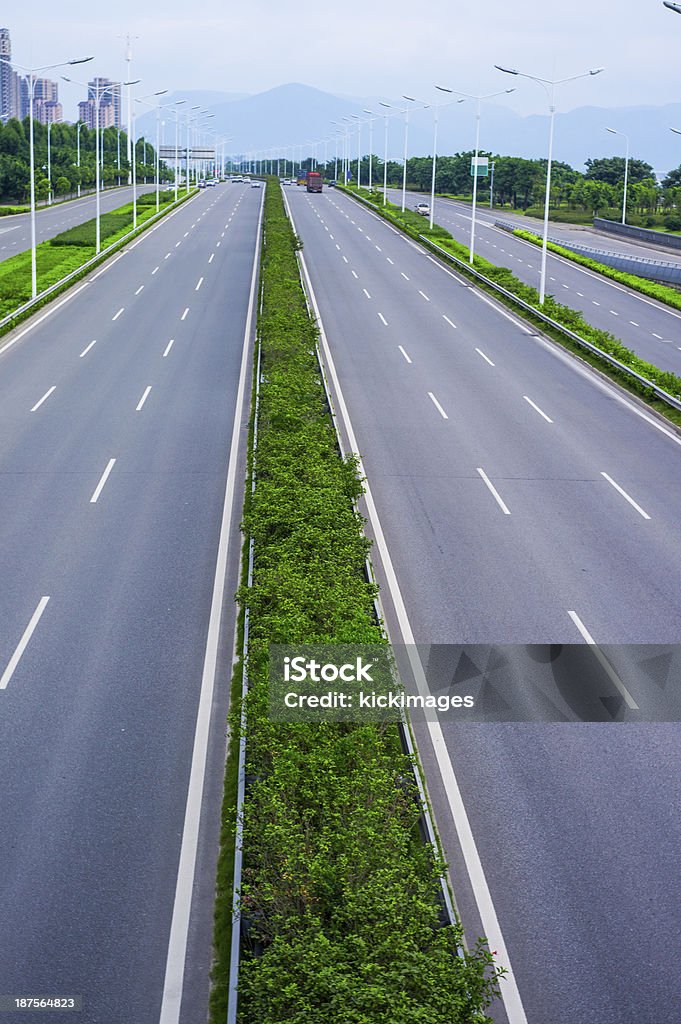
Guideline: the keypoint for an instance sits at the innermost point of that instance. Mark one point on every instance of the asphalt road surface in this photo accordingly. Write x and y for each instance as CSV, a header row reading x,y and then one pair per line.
x,y
15,231
647,327
122,431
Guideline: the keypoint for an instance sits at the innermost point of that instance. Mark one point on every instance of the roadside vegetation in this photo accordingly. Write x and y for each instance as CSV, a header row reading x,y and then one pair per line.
x,y
413,224
66,171
520,185
341,920
661,292
65,253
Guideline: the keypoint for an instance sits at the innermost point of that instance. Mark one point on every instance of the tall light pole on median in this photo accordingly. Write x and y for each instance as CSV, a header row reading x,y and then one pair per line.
x,y
32,72
613,131
371,142
100,91
478,99
405,111
436,109
145,99
385,154
79,125
545,83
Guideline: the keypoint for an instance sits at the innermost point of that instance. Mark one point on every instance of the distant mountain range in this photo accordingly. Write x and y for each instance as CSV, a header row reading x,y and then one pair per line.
x,y
297,114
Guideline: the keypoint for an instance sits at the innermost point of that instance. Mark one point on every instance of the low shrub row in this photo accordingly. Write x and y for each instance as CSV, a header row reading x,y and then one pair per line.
x,y
341,920
412,224
640,284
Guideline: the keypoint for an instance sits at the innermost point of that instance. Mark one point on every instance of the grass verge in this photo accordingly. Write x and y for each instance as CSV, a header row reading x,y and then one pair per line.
x,y
65,253
339,895
413,225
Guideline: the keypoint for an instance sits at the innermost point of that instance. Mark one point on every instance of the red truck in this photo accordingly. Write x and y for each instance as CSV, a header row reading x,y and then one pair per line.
x,y
314,181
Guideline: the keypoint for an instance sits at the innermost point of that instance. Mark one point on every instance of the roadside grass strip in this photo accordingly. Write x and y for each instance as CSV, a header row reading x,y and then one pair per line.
x,y
339,896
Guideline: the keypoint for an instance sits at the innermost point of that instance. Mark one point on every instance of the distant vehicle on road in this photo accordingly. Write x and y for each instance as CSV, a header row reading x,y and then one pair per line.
x,y
423,209
314,181
256,184
201,184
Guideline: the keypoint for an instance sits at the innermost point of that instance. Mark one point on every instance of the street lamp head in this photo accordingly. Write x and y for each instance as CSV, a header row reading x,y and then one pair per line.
x,y
673,7
443,88
412,99
613,130
596,71
367,111
80,60
508,71
677,131
385,104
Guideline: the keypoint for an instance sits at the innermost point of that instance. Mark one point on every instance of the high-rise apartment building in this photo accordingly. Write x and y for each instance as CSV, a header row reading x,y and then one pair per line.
x,y
109,94
6,75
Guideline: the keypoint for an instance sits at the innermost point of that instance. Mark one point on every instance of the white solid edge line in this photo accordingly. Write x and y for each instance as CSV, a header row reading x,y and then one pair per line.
x,y
168,347
486,358
510,995
497,497
179,929
23,643
86,350
102,480
626,496
603,661
437,405
404,353
44,398
537,409
143,398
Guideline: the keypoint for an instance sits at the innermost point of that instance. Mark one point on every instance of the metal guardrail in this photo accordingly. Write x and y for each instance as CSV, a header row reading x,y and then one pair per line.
x,y
613,227
641,266
27,306
664,396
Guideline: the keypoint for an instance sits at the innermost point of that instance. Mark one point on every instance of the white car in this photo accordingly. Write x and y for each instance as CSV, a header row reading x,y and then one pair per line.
x,y
255,184
423,209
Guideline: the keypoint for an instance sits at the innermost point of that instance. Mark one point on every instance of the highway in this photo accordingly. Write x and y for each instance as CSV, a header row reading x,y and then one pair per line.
x,y
123,410
515,498
647,327
15,231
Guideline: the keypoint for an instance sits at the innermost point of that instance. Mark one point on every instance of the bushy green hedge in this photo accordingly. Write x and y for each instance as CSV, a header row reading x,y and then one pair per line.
x,y
639,284
339,895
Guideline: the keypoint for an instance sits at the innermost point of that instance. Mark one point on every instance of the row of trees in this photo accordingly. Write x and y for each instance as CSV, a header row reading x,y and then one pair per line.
x,y
521,183
66,174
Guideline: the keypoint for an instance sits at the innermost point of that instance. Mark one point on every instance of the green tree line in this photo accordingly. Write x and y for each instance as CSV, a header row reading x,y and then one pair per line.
x,y
521,184
66,174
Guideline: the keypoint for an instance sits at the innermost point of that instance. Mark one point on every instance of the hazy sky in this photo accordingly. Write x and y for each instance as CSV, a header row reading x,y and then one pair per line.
x,y
362,49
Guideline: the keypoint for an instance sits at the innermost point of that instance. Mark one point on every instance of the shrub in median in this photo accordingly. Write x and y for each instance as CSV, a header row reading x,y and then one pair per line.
x,y
339,895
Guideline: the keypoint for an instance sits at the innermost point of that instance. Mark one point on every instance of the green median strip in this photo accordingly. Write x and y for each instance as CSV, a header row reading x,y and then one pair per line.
x,y
413,225
68,251
339,897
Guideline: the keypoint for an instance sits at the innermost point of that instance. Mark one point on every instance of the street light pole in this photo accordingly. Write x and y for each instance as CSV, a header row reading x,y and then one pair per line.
x,y
49,166
78,127
544,82
478,99
31,82
613,131
371,144
385,154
